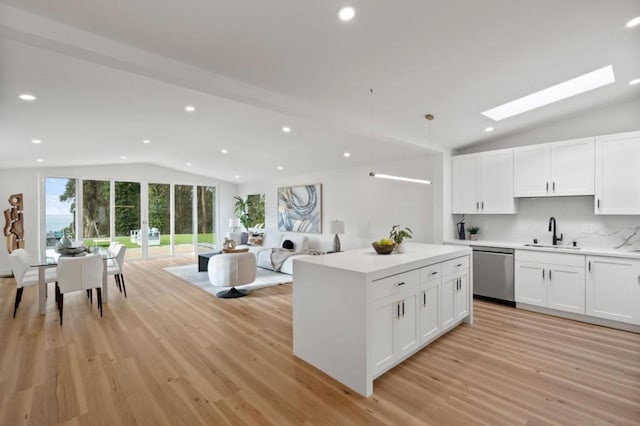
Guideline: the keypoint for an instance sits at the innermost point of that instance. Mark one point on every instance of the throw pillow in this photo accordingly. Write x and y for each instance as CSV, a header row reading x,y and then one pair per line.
x,y
287,244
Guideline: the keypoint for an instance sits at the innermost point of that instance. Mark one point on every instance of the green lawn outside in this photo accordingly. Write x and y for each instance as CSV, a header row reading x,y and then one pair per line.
x,y
164,240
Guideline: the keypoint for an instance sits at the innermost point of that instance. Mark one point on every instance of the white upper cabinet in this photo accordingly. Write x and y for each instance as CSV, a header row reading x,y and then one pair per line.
x,y
554,169
618,174
483,182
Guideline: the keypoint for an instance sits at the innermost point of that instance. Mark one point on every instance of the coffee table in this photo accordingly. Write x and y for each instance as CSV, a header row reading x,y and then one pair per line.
x,y
203,260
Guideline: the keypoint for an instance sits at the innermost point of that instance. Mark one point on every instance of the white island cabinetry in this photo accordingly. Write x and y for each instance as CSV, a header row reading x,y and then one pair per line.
x,y
357,314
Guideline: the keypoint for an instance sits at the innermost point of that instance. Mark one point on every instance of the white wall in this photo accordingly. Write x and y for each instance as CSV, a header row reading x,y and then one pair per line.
x,y
575,218
617,118
27,181
368,206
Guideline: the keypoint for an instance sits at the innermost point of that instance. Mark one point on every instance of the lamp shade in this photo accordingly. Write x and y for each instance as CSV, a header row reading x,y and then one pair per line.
x,y
336,227
234,222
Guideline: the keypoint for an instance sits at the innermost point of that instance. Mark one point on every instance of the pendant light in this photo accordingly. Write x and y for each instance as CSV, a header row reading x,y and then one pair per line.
x,y
393,177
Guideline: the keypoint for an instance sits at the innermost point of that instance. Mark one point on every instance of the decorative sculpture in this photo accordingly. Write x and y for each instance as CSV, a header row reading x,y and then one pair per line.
x,y
14,223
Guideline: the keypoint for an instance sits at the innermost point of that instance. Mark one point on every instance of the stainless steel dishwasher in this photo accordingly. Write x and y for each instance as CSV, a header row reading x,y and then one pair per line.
x,y
493,273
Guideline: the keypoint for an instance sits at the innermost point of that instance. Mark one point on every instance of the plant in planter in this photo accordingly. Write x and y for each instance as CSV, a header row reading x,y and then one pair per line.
x,y
473,233
398,235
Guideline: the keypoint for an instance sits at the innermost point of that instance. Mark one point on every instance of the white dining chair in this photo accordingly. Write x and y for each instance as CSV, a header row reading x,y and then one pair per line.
x,y
25,275
78,274
115,267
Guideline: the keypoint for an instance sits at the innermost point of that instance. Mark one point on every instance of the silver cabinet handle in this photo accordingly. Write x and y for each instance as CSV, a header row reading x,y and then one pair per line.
x,y
482,205
424,298
399,284
477,205
458,265
547,186
598,202
589,266
554,186
434,273
549,273
403,309
542,273
398,310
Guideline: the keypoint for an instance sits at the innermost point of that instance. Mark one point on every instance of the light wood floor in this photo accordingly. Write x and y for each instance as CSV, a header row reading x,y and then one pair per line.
x,y
172,354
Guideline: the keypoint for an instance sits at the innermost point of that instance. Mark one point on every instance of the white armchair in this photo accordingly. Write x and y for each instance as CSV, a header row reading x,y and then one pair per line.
x,y
230,270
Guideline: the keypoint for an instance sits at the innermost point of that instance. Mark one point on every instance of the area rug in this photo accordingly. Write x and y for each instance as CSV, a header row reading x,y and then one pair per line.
x,y
264,278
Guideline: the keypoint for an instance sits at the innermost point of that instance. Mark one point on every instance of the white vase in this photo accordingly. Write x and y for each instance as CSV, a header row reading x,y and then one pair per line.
x,y
400,248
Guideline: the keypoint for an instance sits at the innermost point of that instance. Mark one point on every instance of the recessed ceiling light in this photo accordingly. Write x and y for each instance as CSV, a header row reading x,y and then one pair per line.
x,y
347,154
346,13
39,160
280,167
224,151
124,157
187,164
489,129
27,97
634,82
575,86
286,129
36,141
237,176
189,108
146,141
634,22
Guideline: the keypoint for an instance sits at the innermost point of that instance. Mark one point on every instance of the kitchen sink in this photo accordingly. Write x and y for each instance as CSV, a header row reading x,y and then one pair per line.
x,y
551,246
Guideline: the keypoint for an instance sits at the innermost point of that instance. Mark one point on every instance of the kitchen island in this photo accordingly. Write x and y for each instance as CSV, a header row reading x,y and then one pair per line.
x,y
356,314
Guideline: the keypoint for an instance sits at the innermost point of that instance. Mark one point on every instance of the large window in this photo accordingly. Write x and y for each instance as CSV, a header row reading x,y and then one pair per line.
x,y
255,210
160,218
206,218
60,209
183,213
127,218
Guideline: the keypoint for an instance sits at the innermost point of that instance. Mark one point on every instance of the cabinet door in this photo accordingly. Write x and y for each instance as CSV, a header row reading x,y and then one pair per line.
x,y
495,189
447,304
566,289
384,315
461,298
406,326
572,167
613,289
618,175
464,177
429,311
530,283
532,171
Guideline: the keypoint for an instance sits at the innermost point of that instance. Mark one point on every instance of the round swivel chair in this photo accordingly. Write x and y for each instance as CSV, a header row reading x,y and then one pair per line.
x,y
230,270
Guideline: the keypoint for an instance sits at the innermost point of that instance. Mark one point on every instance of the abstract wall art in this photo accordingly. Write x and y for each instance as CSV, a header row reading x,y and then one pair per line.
x,y
300,209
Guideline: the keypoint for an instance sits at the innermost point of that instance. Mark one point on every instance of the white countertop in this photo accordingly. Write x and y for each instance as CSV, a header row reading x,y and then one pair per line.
x,y
368,261
557,249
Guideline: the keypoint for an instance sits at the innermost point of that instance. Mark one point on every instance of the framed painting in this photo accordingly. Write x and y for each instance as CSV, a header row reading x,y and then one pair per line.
x,y
300,209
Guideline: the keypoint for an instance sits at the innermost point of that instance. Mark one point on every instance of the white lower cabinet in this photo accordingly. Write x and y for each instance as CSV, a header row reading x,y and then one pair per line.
x,y
550,280
613,289
412,309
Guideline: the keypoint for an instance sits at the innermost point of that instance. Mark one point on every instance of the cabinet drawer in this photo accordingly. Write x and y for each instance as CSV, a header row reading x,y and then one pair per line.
x,y
430,273
546,257
455,265
395,284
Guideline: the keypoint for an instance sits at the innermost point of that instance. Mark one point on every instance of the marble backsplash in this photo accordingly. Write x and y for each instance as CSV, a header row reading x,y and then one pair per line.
x,y
575,219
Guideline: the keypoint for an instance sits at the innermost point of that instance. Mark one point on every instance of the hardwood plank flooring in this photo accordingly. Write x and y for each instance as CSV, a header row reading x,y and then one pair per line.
x,y
172,354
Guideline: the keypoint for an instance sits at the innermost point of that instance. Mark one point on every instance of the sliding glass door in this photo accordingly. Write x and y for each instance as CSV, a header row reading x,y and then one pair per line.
x,y
96,211
206,218
128,229
159,219
183,219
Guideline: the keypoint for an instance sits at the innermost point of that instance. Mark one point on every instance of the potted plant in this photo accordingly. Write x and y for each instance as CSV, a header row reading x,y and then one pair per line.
x,y
473,233
397,235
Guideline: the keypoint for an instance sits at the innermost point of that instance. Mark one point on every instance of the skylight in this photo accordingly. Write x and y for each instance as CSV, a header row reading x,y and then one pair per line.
x,y
575,86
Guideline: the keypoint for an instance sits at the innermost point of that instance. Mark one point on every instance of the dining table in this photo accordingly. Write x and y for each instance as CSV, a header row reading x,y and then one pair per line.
x,y
50,260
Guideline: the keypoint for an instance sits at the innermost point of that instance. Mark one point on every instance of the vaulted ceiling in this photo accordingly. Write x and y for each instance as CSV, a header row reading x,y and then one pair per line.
x,y
109,75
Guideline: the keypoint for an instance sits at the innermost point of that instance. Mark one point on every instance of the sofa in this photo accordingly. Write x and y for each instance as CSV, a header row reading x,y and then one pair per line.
x,y
296,242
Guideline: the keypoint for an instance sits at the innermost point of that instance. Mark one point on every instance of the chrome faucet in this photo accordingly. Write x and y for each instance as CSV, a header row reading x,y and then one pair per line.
x,y
552,226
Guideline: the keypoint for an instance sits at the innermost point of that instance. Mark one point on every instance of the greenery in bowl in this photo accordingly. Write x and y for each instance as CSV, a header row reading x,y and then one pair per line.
x,y
397,234
474,230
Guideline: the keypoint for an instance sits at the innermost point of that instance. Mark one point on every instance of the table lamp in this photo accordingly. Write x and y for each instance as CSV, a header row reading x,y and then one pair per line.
x,y
336,227
234,223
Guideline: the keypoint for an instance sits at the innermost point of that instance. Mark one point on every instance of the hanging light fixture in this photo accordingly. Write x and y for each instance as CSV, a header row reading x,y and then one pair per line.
x,y
392,177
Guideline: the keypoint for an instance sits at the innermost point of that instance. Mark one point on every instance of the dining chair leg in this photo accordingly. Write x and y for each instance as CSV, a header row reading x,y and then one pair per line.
x,y
90,296
61,306
124,287
117,278
57,295
100,300
18,299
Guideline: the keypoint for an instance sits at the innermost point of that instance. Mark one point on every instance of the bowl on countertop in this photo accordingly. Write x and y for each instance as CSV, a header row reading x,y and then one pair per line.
x,y
383,249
